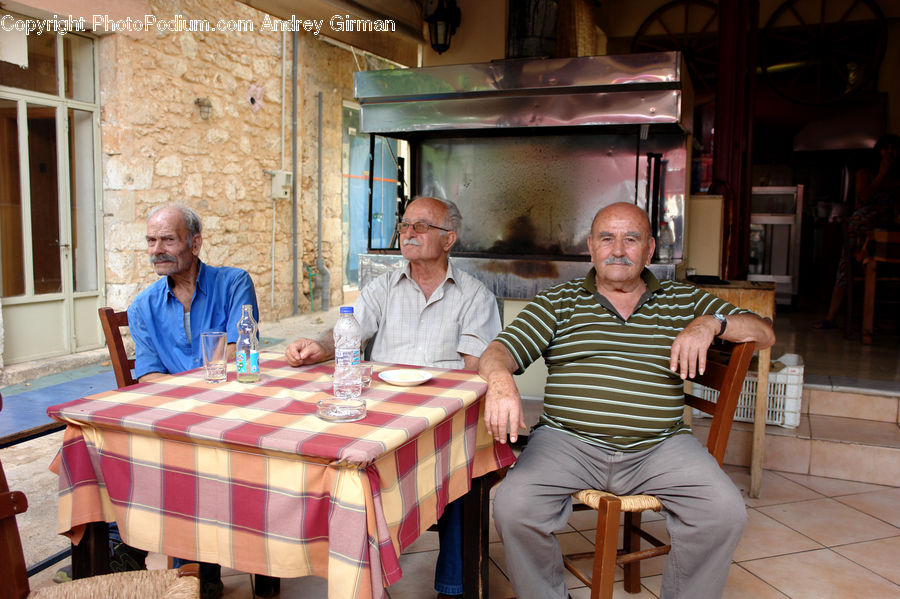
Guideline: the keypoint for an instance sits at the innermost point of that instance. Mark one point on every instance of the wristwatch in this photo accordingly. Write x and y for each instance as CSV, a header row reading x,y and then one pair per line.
x,y
723,321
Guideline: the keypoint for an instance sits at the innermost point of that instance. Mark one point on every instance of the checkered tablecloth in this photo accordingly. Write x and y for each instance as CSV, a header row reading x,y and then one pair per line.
x,y
247,476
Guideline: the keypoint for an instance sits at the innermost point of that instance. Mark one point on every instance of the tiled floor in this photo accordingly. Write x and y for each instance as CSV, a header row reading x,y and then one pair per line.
x,y
806,537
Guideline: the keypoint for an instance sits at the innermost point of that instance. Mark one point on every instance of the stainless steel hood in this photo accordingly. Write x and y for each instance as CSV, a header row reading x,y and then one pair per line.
x,y
530,150
630,89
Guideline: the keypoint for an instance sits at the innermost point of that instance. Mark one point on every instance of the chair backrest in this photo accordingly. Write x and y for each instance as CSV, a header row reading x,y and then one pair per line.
x,y
727,377
112,322
13,571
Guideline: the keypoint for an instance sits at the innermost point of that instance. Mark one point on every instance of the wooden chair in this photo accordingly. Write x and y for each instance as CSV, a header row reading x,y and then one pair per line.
x,y
728,379
166,584
112,322
880,247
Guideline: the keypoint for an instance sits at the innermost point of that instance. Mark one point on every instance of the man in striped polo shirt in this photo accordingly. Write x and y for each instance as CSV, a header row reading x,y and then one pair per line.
x,y
618,345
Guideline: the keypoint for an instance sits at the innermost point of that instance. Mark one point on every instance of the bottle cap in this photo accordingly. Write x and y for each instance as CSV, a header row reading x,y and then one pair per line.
x,y
346,309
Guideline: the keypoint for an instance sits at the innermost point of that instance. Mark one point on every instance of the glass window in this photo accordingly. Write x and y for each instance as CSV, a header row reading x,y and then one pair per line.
x,y
12,265
40,74
79,67
84,213
44,180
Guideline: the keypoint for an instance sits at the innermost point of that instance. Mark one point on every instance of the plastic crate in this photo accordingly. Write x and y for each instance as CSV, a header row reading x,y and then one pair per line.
x,y
785,391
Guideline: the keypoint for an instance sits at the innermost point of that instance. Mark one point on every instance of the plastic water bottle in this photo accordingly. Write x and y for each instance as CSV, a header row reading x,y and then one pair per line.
x,y
666,250
347,380
247,350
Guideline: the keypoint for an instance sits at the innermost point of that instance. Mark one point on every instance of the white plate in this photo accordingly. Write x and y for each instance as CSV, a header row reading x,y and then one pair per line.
x,y
404,378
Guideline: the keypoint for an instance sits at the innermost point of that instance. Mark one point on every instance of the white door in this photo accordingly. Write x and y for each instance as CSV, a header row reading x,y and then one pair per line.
x,y
50,266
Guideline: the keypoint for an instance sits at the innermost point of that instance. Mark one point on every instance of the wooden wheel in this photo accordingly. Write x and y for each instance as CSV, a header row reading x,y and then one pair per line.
x,y
819,51
688,26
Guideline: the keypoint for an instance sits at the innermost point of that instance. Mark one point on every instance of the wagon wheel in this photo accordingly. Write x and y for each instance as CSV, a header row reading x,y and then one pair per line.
x,y
819,51
688,26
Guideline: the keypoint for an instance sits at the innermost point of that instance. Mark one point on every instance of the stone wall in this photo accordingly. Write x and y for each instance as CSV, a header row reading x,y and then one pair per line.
x,y
157,149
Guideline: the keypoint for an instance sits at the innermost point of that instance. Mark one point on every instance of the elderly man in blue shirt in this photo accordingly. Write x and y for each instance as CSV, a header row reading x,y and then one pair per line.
x,y
167,318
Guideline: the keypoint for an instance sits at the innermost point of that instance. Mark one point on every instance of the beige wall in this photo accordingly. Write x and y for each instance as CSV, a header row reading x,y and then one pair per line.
x,y
157,149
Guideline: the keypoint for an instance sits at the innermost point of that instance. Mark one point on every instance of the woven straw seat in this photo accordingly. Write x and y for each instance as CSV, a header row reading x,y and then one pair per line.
x,y
630,503
726,376
140,584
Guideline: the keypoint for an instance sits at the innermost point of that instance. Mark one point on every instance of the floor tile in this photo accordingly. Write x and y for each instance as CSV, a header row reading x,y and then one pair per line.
x,y
884,505
237,586
864,463
787,453
853,405
427,541
774,489
619,592
766,537
881,556
418,576
306,587
741,584
852,430
831,487
820,574
830,522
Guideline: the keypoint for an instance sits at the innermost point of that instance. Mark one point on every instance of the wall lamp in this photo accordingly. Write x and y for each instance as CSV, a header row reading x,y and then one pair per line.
x,y
205,106
443,18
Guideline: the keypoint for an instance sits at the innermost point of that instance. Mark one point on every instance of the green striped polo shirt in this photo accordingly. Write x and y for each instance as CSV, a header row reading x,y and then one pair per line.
x,y
609,382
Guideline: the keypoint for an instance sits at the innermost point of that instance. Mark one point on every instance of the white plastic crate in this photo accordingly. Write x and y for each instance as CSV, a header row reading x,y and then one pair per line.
x,y
785,391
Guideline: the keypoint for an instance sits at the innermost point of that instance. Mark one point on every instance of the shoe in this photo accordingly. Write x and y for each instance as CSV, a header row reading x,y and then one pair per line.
x,y
64,574
125,558
212,589
824,324
445,596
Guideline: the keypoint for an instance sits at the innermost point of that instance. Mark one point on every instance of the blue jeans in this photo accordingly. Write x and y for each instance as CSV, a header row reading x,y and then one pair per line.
x,y
448,570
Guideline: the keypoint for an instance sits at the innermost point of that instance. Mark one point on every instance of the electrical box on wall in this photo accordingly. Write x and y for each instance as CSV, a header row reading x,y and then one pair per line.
x,y
281,185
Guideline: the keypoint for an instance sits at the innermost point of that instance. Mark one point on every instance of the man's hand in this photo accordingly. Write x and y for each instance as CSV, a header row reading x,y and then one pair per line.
x,y
503,408
502,403
305,351
689,348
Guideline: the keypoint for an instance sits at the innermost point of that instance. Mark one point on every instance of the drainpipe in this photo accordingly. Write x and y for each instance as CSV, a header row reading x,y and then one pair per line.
x,y
295,282
323,280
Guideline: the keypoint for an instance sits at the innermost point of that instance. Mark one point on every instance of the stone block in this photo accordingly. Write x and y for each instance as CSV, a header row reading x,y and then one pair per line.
x,y
169,166
127,173
193,185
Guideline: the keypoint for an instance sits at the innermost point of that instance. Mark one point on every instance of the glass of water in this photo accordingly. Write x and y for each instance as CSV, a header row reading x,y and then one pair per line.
x,y
213,345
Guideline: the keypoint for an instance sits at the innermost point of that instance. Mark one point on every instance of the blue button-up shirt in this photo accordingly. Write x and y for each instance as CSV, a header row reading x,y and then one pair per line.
x,y
156,318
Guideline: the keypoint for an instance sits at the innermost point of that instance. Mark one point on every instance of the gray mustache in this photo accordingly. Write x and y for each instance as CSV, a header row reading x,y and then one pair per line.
x,y
412,241
163,258
619,260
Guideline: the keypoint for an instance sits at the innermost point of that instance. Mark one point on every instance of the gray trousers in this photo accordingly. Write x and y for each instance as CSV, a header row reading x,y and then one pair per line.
x,y
705,514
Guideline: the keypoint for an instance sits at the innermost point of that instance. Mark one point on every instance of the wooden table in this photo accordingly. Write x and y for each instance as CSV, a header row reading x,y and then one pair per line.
x,y
248,477
758,297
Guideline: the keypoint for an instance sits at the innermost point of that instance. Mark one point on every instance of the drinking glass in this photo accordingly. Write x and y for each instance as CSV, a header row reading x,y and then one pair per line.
x,y
365,374
213,345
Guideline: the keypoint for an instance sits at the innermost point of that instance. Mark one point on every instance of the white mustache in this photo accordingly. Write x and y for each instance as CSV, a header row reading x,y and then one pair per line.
x,y
624,260
412,241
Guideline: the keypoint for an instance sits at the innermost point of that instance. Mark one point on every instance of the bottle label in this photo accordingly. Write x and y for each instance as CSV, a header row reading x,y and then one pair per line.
x,y
346,357
244,365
